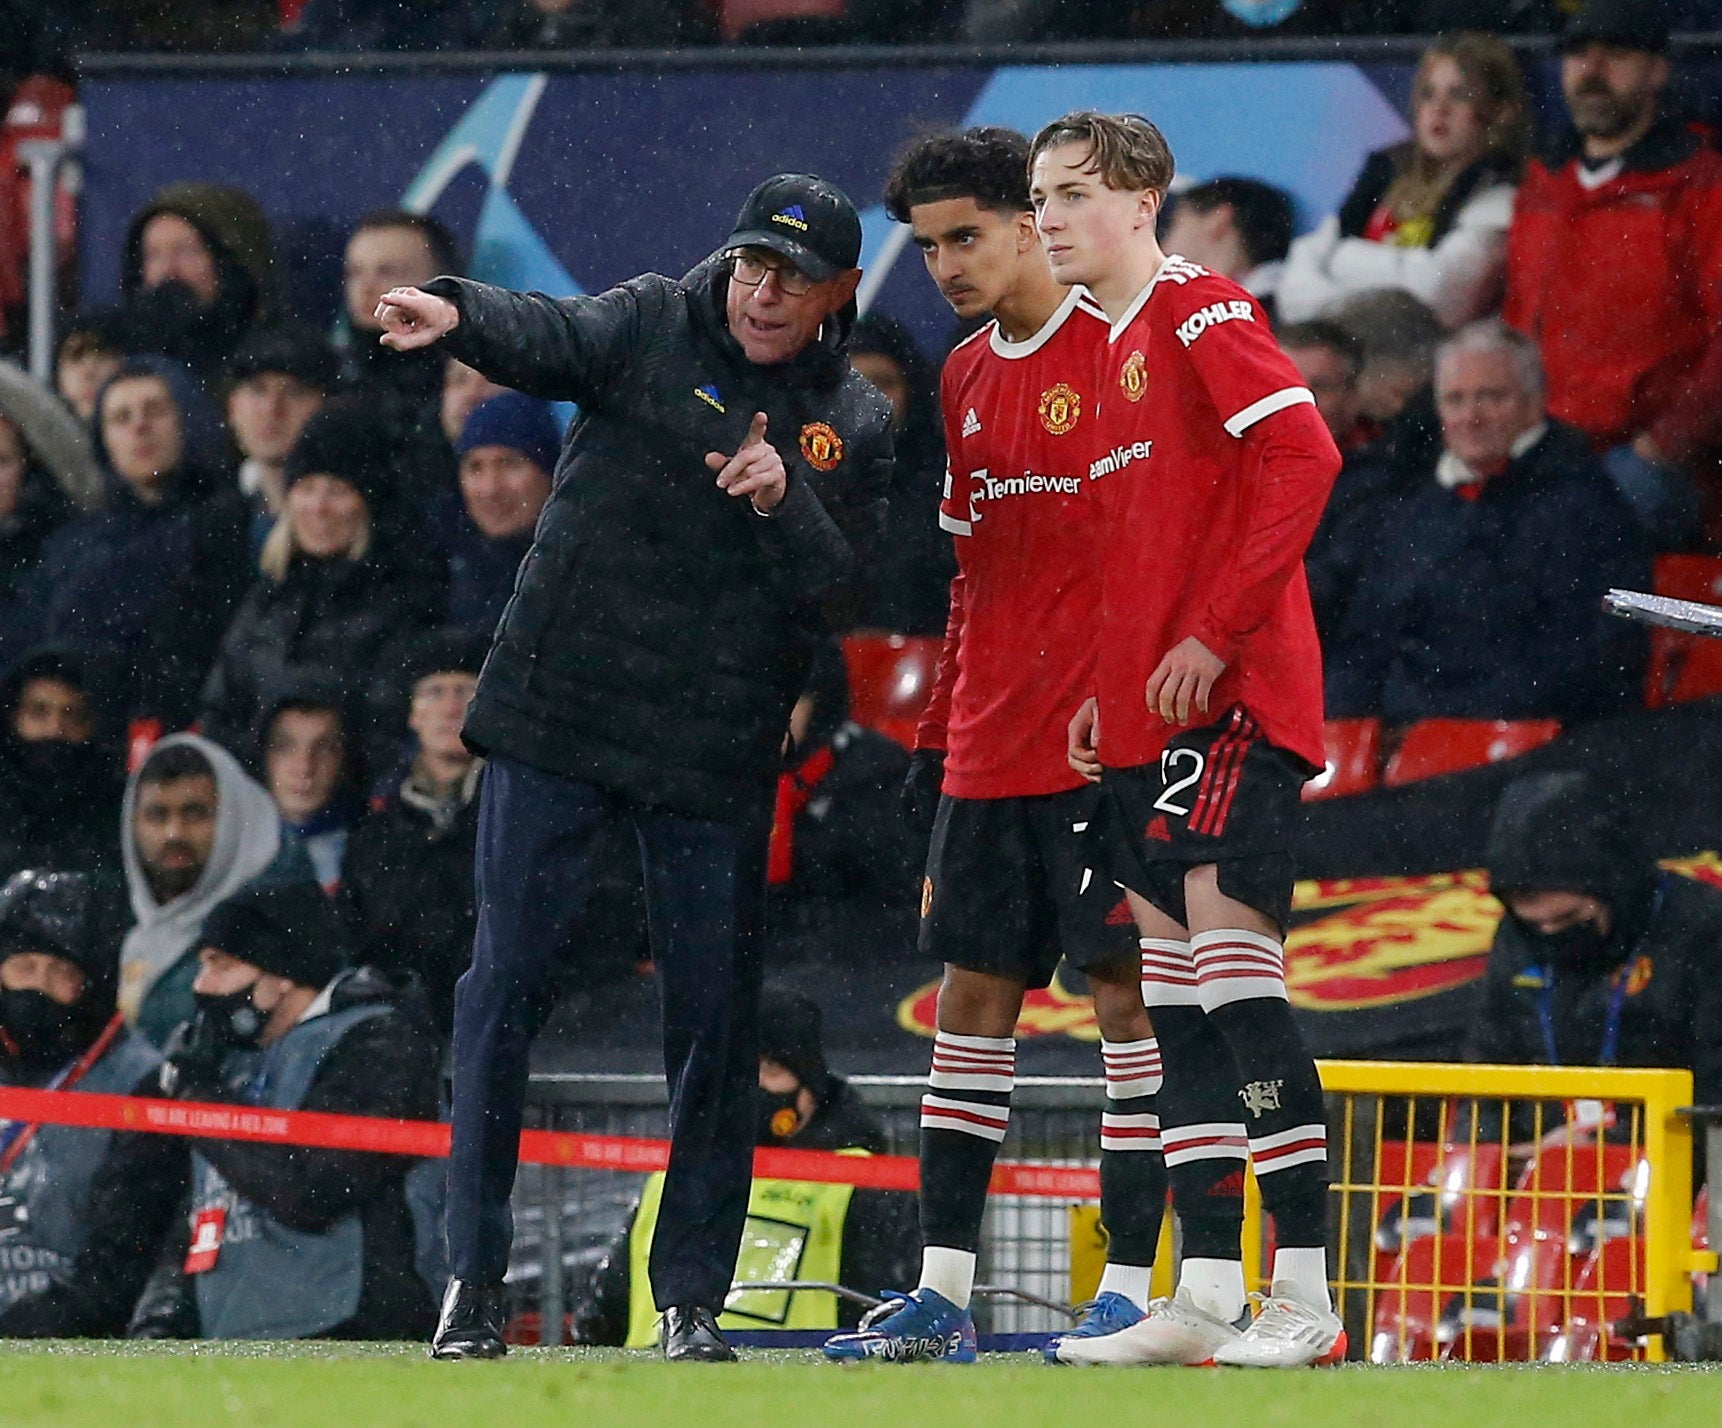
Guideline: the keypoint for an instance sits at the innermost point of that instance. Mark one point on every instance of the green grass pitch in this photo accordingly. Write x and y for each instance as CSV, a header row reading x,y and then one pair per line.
x,y
360,1386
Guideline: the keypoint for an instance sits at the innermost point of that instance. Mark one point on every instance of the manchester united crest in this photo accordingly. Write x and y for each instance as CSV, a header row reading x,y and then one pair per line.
x,y
1134,378
821,446
1060,408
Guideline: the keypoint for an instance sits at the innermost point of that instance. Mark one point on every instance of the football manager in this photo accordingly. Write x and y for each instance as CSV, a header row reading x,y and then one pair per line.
x,y
715,507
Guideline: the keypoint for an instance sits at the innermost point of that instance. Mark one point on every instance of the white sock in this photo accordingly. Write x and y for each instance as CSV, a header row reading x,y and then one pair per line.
x,y
1130,1280
948,1272
1216,1286
1304,1273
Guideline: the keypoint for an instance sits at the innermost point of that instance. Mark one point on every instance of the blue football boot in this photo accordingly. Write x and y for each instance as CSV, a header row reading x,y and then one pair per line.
x,y
906,1327
1105,1314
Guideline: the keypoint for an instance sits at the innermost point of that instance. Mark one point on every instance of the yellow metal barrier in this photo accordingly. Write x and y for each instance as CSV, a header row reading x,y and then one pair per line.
x,y
1503,1212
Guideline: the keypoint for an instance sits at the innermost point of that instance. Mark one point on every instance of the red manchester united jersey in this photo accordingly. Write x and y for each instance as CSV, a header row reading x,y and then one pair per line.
x,y
1019,648
1209,509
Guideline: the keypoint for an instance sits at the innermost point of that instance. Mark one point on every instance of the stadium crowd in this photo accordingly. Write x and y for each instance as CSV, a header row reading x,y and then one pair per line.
x,y
248,575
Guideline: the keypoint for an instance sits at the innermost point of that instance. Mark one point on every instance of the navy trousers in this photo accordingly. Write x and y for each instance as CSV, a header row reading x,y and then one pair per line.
x,y
705,896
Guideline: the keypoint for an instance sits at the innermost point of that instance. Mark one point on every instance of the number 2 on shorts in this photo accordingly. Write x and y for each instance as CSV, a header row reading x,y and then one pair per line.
x,y
1169,761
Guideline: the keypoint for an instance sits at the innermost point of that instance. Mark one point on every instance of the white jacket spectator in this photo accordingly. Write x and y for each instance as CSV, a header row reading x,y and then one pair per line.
x,y
1429,215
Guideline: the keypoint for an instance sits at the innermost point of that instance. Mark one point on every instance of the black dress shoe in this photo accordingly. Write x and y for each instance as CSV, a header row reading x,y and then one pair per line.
x,y
688,1333
471,1323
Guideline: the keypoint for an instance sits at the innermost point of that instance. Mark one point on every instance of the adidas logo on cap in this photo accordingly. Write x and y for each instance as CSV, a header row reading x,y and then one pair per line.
x,y
791,217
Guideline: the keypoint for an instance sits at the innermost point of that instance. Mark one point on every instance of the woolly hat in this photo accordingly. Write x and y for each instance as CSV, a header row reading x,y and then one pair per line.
x,y
346,440
292,348
286,929
523,424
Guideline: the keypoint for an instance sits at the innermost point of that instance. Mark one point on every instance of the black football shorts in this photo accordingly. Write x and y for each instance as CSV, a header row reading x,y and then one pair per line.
x,y
1009,888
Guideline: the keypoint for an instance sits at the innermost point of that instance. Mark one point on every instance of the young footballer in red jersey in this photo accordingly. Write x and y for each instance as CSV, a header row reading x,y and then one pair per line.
x,y
1005,892
1214,467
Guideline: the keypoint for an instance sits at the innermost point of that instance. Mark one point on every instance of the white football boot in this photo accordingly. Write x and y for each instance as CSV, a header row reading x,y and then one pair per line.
x,y
1287,1333
1175,1331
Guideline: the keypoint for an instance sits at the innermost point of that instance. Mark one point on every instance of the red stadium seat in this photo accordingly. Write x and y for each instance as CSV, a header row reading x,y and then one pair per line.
x,y
1436,1293
1353,759
1685,666
1433,747
890,681
735,16
1607,1282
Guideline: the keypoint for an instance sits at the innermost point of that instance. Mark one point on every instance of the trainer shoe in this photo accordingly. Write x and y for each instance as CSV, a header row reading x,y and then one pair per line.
x,y
1104,1314
1173,1331
922,1325
1287,1333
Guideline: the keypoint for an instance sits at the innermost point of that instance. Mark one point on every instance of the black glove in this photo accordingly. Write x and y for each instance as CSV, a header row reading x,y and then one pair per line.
x,y
191,1061
921,787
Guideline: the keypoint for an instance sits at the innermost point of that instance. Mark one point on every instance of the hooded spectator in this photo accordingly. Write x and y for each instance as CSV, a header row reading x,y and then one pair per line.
x,y
196,275
290,1242
194,829
107,571
407,888
1603,959
313,764
83,1209
1482,598
910,584
1429,215
60,763
507,449
335,586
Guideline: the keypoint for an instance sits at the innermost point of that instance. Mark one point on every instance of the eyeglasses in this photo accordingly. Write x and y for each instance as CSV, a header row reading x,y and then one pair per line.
x,y
750,271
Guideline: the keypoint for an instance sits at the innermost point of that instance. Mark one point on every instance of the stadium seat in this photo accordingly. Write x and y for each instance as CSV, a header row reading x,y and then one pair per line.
x,y
1603,1291
1683,666
1431,1293
890,681
1433,747
735,16
1353,759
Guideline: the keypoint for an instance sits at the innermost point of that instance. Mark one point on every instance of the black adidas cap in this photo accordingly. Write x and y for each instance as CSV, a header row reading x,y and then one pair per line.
x,y
807,220
1630,24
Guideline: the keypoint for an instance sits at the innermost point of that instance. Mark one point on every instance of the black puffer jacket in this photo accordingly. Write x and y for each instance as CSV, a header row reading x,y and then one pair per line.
x,y
659,630
335,615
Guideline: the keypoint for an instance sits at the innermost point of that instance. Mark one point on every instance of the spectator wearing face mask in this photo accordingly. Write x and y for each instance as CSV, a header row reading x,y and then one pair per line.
x,y
864,1239
60,764
1602,959
292,1242
81,1210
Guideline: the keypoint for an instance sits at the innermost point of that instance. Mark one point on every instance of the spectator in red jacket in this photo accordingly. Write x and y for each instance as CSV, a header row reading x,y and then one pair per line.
x,y
1614,266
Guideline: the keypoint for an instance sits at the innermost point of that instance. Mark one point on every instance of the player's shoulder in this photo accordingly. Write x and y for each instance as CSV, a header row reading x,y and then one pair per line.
x,y
967,355
1190,300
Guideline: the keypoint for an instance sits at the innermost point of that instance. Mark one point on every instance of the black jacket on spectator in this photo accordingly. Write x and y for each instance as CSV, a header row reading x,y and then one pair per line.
x,y
334,615
1491,607
1661,964
911,587
1366,503
848,889
661,630
60,801
40,510
481,569
384,1066
407,894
